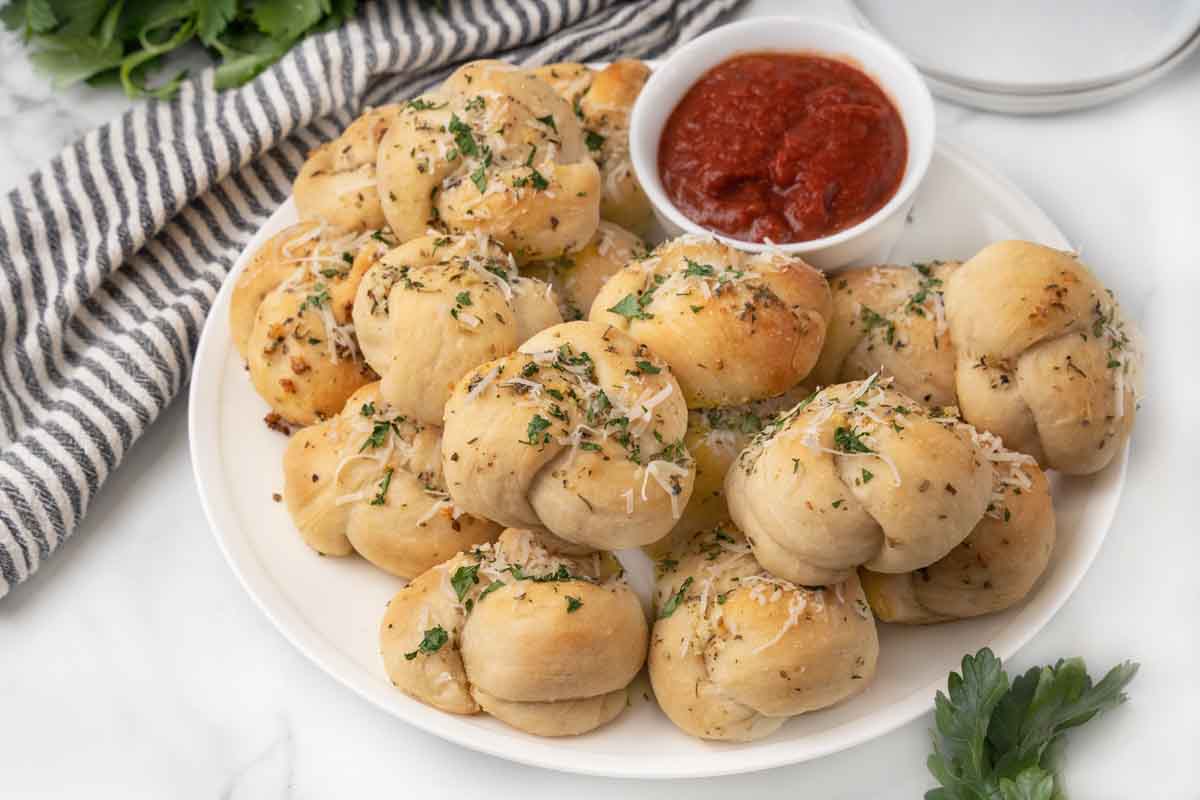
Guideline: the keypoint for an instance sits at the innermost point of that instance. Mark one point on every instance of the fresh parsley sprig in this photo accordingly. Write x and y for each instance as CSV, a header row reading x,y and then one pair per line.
x,y
993,739
94,41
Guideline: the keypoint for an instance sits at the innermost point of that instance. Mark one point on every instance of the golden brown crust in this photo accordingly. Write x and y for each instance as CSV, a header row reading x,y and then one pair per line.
x,y
603,101
714,438
493,151
735,327
737,651
891,320
993,569
545,642
438,306
859,475
1045,359
577,278
370,481
337,184
579,433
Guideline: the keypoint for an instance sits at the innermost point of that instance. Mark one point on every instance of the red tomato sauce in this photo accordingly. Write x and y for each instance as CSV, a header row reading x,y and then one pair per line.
x,y
782,146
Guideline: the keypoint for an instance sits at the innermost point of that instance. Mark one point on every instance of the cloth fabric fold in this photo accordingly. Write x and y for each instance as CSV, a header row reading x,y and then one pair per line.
x,y
111,255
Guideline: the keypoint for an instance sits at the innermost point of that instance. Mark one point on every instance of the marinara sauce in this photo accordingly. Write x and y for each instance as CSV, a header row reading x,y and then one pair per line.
x,y
782,146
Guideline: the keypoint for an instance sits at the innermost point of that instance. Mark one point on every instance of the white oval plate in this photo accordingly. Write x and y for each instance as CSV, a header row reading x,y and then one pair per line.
x,y
330,608
1032,46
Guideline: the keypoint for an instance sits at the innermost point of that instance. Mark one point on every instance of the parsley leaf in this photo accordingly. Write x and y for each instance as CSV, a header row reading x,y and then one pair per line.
x,y
463,137
573,604
697,270
872,320
381,496
94,41
849,441
434,638
463,579
535,433
992,738
674,600
648,368
421,104
548,121
593,140
491,587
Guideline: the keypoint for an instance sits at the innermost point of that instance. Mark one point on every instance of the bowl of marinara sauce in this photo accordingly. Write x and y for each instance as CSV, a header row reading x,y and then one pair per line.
x,y
785,133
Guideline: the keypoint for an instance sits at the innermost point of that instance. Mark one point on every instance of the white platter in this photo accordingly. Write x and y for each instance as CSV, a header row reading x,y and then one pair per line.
x,y
1057,102
330,608
1032,46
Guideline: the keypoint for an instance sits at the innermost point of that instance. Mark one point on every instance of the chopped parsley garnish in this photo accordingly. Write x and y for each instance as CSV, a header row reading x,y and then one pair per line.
x,y
462,136
593,140
548,121
534,179
463,579
529,370
867,475
573,604
491,587
479,175
633,306
674,600
319,297
420,104
378,435
872,320
589,446
850,441
476,103
463,299
648,368
381,496
535,433
697,270
368,409
435,637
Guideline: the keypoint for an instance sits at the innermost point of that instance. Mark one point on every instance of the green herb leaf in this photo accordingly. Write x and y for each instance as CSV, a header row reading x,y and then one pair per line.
x,y
381,496
534,433
491,587
421,104
548,121
648,368
697,270
849,440
674,600
593,140
463,137
463,579
993,740
434,638
573,604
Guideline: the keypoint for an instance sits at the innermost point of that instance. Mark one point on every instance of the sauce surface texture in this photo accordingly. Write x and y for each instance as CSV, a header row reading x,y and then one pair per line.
x,y
782,146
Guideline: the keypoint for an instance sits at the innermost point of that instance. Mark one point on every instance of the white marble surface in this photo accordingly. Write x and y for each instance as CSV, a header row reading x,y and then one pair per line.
x,y
134,665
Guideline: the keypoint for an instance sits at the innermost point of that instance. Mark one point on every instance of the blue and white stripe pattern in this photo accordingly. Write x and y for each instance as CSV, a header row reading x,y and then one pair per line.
x,y
112,254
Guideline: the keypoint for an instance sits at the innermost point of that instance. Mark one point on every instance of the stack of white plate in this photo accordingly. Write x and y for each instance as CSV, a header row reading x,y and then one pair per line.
x,y
1034,56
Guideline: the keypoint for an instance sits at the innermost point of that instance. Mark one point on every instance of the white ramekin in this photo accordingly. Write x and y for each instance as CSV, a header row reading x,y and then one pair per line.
x,y
871,240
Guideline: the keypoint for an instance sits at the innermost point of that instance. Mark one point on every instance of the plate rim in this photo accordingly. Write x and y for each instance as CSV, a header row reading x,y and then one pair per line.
x,y
263,589
1034,89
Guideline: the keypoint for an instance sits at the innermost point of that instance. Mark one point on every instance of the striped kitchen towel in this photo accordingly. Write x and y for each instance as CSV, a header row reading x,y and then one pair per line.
x,y
111,255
